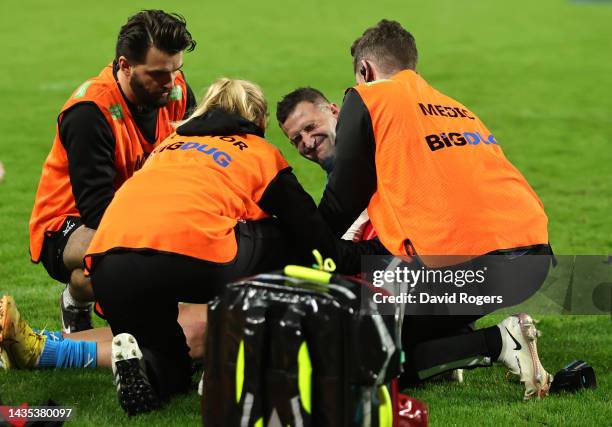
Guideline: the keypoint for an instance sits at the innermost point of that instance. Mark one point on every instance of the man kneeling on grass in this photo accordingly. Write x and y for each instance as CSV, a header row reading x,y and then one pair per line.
x,y
441,195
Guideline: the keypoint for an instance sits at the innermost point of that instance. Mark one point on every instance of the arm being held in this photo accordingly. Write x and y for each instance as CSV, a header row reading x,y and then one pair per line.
x,y
286,199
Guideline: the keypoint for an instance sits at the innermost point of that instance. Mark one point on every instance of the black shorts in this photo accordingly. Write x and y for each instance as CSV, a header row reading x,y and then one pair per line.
x,y
52,254
262,247
139,291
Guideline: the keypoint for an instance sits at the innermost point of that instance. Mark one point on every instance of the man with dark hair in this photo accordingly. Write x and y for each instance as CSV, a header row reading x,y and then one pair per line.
x,y
437,184
104,133
308,119
393,46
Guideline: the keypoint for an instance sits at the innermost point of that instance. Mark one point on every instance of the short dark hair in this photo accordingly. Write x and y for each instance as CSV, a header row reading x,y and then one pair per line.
x,y
388,44
167,32
286,105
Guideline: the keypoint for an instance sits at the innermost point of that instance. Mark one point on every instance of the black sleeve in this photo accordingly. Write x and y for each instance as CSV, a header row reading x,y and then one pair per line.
x,y
353,179
292,205
90,147
191,102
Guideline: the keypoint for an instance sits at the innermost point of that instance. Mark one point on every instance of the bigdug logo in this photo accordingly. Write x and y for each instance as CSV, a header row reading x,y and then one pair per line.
x,y
221,158
443,140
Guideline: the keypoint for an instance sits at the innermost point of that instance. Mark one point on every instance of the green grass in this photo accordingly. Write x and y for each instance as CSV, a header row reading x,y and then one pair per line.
x,y
488,398
539,74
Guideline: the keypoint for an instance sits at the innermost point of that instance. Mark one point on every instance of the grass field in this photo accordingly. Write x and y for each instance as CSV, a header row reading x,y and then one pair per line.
x,y
539,74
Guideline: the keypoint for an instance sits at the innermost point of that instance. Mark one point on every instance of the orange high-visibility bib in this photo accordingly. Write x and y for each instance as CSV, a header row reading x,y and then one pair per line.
x,y
188,198
444,186
54,198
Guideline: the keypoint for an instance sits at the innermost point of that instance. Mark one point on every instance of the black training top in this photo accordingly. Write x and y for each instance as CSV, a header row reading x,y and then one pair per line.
x,y
354,166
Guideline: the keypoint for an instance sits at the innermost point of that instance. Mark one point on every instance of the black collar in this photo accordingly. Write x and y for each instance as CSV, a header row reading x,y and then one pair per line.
x,y
217,122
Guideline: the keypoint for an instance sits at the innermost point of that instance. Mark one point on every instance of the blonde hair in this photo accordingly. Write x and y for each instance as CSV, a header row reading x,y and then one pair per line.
x,y
240,97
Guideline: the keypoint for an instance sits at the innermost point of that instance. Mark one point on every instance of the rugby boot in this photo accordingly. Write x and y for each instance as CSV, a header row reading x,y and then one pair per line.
x,y
23,345
5,360
520,354
135,393
75,319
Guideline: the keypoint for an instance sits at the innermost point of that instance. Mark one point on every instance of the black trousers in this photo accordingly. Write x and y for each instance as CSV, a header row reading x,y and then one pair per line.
x,y
439,341
139,294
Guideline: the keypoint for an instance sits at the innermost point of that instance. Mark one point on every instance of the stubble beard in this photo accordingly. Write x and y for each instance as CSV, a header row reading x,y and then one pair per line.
x,y
143,97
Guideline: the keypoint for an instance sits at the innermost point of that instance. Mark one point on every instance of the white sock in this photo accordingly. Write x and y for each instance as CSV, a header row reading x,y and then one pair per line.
x,y
70,301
